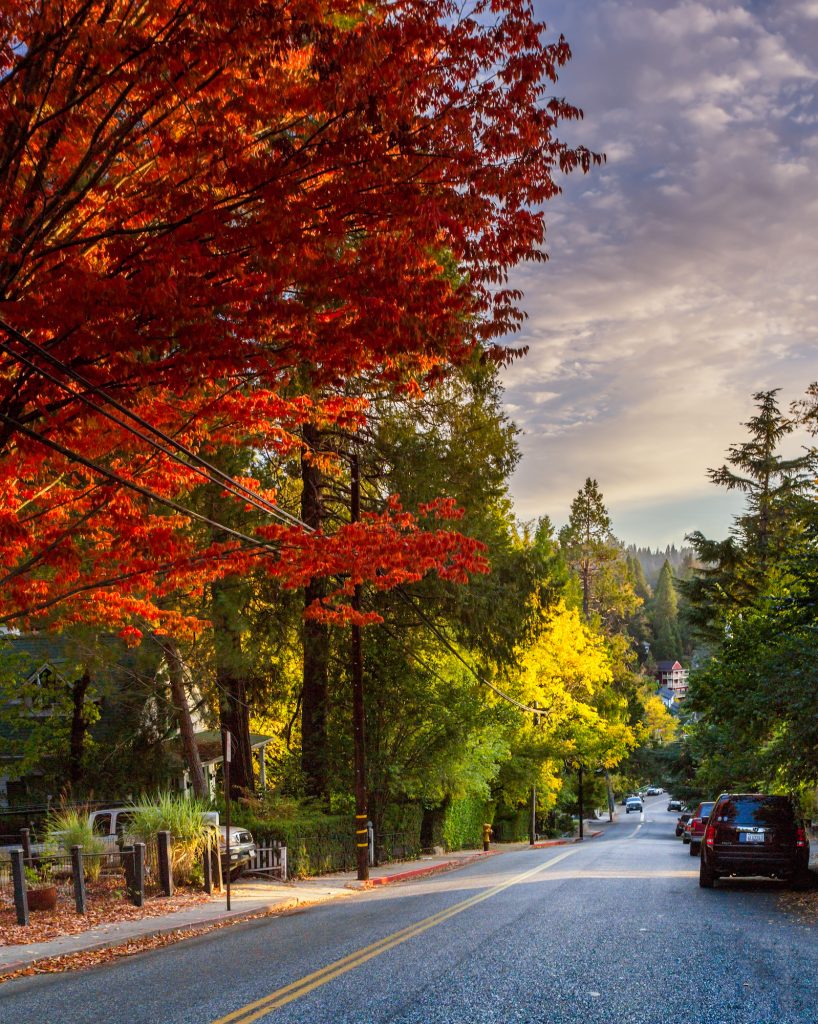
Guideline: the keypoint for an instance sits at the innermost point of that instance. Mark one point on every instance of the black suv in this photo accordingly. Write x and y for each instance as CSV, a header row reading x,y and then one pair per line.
x,y
754,834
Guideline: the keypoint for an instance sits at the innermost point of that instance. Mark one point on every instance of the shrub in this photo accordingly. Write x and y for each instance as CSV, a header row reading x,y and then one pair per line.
x,y
185,819
70,827
316,842
37,878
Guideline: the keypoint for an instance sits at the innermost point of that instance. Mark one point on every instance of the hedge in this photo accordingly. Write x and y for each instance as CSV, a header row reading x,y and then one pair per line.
x,y
463,822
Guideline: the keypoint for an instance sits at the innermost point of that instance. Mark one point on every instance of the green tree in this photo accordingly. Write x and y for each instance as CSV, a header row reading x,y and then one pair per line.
x,y
667,642
587,539
734,571
755,698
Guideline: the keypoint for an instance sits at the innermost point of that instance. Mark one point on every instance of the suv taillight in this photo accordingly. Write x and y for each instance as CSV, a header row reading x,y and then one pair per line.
x,y
710,835
800,837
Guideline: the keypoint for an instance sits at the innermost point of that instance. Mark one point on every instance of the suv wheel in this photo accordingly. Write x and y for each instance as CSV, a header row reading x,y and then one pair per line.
x,y
694,849
707,876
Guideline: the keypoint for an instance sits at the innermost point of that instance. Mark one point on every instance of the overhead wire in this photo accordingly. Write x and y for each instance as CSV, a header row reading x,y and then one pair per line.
x,y
122,481
201,466
170,446
430,624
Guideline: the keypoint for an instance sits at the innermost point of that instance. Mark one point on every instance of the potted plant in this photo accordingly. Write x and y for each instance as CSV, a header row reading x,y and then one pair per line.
x,y
40,889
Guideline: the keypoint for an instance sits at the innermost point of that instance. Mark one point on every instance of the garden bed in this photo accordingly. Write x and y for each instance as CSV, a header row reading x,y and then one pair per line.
x,y
107,904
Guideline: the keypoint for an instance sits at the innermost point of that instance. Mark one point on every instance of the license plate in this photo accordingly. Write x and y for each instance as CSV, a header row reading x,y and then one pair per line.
x,y
751,837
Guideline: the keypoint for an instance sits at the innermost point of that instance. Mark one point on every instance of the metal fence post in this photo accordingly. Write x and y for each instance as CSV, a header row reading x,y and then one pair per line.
x,y
133,858
370,829
126,858
78,872
165,873
19,876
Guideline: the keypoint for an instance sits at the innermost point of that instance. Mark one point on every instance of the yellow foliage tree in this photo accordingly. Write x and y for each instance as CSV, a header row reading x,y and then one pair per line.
x,y
567,670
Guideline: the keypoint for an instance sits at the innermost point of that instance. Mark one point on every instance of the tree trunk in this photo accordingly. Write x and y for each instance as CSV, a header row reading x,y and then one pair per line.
x,y
234,716
314,741
586,589
79,729
176,674
231,679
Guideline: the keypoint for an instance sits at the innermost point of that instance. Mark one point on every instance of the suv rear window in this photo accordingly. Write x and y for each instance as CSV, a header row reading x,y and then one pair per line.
x,y
756,810
703,810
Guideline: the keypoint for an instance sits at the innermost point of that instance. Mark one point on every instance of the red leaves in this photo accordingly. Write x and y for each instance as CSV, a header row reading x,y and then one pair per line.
x,y
219,213
386,550
131,635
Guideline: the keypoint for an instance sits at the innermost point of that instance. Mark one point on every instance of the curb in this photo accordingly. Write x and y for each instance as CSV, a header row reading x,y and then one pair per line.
x,y
565,842
433,869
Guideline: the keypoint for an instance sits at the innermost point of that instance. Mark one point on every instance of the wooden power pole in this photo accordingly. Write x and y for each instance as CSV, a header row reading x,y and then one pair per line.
x,y
358,719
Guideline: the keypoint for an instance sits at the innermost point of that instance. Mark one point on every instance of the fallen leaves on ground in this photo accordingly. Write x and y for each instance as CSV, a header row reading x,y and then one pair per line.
x,y
107,904
803,904
93,958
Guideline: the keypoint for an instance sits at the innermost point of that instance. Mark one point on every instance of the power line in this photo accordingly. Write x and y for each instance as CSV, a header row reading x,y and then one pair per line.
x,y
122,481
453,650
170,446
201,466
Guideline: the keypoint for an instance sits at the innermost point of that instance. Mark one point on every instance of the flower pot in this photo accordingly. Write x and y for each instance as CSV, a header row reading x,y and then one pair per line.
x,y
42,899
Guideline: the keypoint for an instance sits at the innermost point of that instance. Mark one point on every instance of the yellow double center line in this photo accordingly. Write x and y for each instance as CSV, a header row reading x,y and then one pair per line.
x,y
282,996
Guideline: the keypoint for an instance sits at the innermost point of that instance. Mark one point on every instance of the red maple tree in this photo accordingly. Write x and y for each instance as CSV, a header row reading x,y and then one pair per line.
x,y
202,205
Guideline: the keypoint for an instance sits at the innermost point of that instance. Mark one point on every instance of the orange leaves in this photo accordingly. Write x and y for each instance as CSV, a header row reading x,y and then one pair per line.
x,y
384,550
131,635
220,211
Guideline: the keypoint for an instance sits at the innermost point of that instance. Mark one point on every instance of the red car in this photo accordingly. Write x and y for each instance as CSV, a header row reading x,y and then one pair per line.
x,y
694,829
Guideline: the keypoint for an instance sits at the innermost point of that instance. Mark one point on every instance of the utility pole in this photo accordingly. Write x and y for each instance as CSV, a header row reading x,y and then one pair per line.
x,y
227,748
358,718
533,839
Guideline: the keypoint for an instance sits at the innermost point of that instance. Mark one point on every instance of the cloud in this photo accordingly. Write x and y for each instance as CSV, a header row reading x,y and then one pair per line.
x,y
682,274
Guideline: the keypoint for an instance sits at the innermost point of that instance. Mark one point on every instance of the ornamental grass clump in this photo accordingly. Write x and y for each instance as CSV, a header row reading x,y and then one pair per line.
x,y
190,831
69,827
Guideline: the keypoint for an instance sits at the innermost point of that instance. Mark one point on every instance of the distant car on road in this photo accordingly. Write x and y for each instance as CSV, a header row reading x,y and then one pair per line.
x,y
633,804
754,834
681,821
674,805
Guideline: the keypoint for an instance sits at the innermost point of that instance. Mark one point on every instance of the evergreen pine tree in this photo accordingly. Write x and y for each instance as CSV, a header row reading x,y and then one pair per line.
x,y
735,570
665,618
587,539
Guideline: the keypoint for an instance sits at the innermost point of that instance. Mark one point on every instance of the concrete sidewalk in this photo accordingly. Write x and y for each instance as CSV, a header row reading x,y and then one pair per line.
x,y
250,897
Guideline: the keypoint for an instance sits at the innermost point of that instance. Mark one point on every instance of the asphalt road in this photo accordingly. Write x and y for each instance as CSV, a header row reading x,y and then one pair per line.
x,y
614,931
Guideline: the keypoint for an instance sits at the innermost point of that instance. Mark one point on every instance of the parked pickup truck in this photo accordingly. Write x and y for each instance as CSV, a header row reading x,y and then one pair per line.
x,y
111,825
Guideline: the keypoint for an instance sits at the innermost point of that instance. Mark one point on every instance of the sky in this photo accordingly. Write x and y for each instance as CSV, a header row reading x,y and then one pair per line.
x,y
683,276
